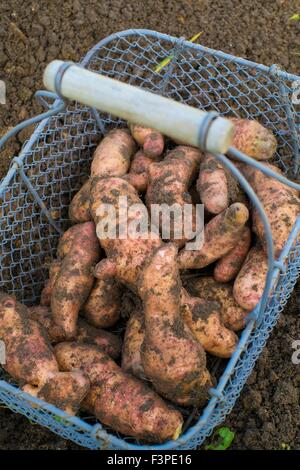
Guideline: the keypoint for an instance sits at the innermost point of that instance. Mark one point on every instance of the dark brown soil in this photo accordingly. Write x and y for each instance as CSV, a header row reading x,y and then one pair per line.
x,y
32,33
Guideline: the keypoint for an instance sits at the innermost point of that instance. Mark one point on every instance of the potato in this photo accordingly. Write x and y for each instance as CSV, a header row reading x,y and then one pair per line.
x,y
138,175
169,182
203,317
47,290
113,154
125,256
212,185
228,266
75,279
150,140
66,390
209,290
250,282
67,240
29,359
43,315
280,202
118,400
29,356
221,234
79,209
108,342
172,358
253,139
103,306
133,340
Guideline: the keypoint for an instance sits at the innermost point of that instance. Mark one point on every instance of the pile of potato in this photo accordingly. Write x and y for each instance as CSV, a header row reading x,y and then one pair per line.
x,y
61,351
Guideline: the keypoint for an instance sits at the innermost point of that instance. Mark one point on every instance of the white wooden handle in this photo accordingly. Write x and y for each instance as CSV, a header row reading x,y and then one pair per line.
x,y
176,120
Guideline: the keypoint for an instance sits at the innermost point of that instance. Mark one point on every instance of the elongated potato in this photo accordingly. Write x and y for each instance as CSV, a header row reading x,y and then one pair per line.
x,y
138,175
29,359
133,340
118,400
66,390
253,139
250,282
212,185
113,154
79,209
203,317
29,356
169,181
172,358
228,266
75,279
150,140
281,204
47,290
103,306
208,289
220,236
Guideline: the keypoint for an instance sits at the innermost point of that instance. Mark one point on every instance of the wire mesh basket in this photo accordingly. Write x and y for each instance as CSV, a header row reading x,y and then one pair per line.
x,y
53,163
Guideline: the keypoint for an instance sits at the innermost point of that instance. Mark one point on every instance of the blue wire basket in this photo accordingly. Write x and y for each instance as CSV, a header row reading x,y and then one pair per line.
x,y
53,163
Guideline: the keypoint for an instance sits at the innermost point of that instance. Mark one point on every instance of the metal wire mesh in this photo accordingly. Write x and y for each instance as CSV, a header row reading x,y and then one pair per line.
x,y
57,158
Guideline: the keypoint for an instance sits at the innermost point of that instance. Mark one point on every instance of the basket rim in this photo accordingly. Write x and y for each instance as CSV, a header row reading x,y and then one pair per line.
x,y
199,47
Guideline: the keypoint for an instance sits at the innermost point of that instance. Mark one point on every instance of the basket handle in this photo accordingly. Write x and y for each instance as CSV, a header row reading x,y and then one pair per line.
x,y
186,124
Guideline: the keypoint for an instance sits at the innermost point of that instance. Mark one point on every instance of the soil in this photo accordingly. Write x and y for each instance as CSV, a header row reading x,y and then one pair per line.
x,y
32,33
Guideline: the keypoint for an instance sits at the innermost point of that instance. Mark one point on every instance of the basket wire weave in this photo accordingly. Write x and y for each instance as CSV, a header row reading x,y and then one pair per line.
x,y
52,165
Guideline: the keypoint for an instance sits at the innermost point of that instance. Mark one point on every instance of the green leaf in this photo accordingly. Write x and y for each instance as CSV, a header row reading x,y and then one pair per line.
x,y
221,440
168,59
295,17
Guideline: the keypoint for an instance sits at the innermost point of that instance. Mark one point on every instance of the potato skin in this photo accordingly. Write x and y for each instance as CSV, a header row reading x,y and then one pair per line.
x,y
250,282
150,140
138,175
133,340
281,204
43,315
212,185
79,209
172,358
75,279
47,290
118,400
208,289
66,390
29,355
228,266
105,340
204,320
67,240
253,139
221,234
169,181
113,154
103,306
